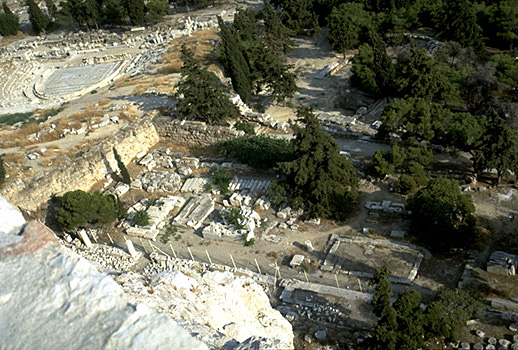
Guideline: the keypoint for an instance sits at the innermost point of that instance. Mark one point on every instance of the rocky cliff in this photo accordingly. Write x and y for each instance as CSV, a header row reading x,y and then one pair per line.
x,y
50,298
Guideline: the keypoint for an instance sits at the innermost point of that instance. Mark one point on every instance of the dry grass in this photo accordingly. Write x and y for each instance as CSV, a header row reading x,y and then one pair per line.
x,y
104,102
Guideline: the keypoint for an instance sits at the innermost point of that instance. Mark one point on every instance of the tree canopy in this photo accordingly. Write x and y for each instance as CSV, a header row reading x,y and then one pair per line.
x,y
199,93
9,22
441,215
79,208
40,22
347,22
319,179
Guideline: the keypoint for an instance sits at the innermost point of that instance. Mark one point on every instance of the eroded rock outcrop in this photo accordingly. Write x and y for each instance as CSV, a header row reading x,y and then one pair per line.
x,y
224,309
51,298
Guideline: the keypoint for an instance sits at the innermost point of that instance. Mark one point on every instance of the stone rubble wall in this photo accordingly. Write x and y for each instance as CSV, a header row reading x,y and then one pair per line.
x,y
82,173
193,132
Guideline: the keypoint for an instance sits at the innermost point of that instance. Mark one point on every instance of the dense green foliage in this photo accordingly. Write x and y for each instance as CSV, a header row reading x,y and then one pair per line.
x,y
448,311
347,22
221,179
233,216
441,215
405,325
9,22
259,151
236,64
199,93
263,48
156,10
2,172
458,22
122,168
299,16
40,21
136,11
319,179
372,67
79,208
51,8
141,218
247,127
86,13
277,35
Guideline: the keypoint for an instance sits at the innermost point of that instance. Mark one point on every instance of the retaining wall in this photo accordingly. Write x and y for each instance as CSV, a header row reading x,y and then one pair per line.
x,y
82,173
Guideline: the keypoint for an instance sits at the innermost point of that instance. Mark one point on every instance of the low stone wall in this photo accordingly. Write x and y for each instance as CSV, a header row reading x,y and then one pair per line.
x,y
82,173
194,133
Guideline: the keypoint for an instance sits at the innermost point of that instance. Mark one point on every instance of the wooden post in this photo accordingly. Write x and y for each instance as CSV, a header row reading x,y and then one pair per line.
x,y
306,275
208,256
110,237
172,249
190,253
360,284
258,268
160,250
233,262
278,270
336,279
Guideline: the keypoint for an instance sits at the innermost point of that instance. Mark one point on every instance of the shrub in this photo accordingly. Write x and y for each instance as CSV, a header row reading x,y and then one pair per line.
x,y
247,127
79,208
221,179
141,218
260,151
233,216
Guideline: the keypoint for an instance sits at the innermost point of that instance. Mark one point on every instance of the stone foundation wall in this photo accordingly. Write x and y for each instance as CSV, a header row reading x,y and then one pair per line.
x,y
194,133
93,166
82,173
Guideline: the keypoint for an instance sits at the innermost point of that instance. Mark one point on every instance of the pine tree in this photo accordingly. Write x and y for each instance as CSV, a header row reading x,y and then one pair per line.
x,y
51,8
40,22
122,168
237,66
319,179
199,95
276,75
2,172
383,68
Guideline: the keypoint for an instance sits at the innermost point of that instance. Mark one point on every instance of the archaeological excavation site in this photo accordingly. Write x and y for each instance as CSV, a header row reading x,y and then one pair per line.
x,y
265,174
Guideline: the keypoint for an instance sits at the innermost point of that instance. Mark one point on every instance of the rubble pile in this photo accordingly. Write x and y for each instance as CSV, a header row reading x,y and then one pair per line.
x,y
157,180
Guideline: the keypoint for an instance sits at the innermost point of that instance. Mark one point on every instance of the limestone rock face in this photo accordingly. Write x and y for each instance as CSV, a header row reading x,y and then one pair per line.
x,y
51,298
11,221
233,308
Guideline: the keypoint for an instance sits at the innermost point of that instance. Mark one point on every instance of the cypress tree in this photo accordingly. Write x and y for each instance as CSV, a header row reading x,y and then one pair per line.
x,y
277,34
122,168
9,22
383,291
136,11
383,69
38,19
237,66
6,9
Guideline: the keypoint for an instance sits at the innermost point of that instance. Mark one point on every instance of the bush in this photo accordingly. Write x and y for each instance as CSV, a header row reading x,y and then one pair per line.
x,y
221,179
79,208
261,152
141,218
233,216
247,127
